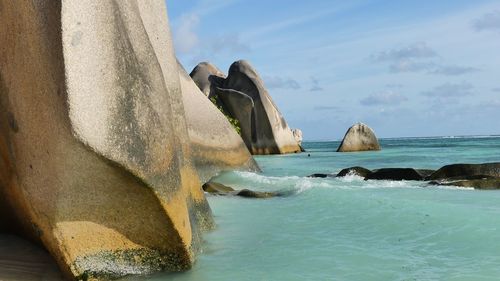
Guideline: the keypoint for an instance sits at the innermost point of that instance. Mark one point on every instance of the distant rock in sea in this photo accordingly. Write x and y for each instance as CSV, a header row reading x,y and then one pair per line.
x,y
359,137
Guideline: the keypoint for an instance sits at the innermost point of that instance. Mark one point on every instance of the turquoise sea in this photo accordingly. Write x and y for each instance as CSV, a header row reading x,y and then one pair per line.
x,y
351,229
344,228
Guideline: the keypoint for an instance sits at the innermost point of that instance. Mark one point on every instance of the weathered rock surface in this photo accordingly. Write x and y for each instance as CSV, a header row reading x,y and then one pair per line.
x,y
395,174
359,138
244,97
95,155
358,171
207,77
297,134
461,170
215,145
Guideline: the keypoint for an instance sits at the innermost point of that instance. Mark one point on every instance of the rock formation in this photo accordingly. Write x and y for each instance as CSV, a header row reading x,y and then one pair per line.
x,y
245,98
207,77
96,161
297,134
467,170
395,174
358,171
359,138
220,189
215,144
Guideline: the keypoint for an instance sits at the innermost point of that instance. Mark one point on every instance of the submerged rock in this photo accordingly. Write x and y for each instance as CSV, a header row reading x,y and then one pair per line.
x,y
320,175
256,194
217,188
461,170
395,174
358,171
486,183
220,189
359,138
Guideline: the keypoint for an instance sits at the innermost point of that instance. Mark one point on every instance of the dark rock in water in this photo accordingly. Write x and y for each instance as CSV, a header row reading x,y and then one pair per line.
x,y
458,170
359,137
425,173
395,174
486,183
217,188
220,189
256,194
319,175
358,171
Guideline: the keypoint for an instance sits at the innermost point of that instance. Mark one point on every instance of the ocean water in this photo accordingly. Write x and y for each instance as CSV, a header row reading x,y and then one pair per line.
x,y
351,229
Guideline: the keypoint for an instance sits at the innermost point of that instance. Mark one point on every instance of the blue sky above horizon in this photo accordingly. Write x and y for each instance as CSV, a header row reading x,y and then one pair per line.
x,y
405,68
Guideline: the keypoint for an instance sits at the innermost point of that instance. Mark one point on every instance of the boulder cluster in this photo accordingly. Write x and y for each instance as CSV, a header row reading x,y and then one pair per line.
x,y
243,96
478,176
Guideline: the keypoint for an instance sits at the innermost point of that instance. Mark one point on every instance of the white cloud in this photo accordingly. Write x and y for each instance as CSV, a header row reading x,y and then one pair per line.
x,y
315,85
489,21
453,70
277,82
185,37
384,98
450,91
418,50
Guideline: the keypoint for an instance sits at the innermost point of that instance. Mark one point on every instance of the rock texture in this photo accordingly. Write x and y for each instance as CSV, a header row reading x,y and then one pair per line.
x,y
245,98
359,138
220,189
297,134
467,170
242,96
207,77
215,144
95,156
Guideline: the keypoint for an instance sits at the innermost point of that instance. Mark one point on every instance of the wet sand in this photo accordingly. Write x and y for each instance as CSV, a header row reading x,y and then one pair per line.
x,y
21,260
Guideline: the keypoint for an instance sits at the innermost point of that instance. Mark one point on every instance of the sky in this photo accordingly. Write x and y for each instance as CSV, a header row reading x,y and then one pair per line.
x,y
406,68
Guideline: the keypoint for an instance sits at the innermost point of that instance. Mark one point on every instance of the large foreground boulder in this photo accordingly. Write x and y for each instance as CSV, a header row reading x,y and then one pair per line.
x,y
245,98
359,138
467,170
95,155
215,144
